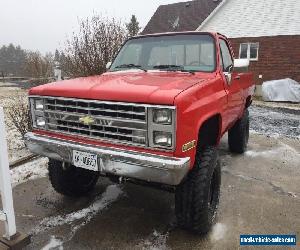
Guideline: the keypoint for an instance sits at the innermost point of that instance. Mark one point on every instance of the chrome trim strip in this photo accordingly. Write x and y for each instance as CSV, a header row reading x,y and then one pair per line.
x,y
104,126
104,102
96,116
103,139
94,131
95,109
119,162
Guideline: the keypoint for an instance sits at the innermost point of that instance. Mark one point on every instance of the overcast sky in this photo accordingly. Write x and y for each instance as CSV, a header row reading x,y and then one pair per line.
x,y
45,24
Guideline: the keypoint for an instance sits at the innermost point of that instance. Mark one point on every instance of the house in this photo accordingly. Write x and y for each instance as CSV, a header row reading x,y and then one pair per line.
x,y
180,16
265,31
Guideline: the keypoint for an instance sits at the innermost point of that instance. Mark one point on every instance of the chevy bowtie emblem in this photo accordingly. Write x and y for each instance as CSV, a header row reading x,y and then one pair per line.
x,y
87,120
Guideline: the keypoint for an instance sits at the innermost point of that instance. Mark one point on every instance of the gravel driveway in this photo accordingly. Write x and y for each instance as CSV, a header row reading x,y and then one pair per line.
x,y
275,121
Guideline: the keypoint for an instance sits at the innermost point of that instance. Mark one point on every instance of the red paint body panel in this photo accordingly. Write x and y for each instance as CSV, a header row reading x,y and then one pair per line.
x,y
126,86
197,97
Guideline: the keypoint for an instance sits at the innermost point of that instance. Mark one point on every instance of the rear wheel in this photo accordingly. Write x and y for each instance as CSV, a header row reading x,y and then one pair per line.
x,y
238,135
69,180
197,198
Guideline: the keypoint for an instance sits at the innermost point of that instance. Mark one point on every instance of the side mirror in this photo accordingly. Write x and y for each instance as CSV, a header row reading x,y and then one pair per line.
x,y
241,65
108,65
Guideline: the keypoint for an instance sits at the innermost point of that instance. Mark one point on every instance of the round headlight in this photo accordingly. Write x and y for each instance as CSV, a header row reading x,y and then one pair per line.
x,y
162,116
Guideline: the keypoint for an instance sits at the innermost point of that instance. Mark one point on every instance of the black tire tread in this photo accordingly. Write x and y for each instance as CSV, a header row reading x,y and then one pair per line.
x,y
191,196
63,182
238,135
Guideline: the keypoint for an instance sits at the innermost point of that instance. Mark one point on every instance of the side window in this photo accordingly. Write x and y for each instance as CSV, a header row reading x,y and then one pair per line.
x,y
226,56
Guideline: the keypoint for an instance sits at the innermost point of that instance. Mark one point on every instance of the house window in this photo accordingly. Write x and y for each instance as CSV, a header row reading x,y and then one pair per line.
x,y
249,50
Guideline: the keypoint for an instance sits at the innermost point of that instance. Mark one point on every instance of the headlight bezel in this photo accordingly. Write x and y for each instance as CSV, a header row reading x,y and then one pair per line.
x,y
154,127
37,113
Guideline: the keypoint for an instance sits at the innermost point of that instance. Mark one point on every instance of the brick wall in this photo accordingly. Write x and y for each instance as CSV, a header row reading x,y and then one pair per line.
x,y
278,57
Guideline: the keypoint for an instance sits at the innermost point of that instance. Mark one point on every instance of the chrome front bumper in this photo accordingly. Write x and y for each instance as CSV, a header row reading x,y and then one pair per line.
x,y
125,163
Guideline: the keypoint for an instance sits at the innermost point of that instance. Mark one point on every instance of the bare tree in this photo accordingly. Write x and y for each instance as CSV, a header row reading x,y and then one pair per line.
x,y
88,51
38,66
18,114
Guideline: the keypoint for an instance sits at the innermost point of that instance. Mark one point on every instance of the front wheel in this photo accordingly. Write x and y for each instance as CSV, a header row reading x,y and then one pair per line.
x,y
197,198
69,180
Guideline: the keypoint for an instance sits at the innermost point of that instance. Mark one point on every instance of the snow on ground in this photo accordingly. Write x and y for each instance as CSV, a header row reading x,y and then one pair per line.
x,y
156,241
285,151
218,232
7,93
85,215
16,146
29,171
54,243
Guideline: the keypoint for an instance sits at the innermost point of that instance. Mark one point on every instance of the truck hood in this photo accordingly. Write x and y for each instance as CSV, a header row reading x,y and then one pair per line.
x,y
126,86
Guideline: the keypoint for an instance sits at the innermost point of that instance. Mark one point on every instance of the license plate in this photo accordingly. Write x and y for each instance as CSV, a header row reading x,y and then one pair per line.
x,y
85,160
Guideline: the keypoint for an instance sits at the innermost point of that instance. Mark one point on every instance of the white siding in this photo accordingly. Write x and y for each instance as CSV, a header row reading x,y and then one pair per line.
x,y
255,18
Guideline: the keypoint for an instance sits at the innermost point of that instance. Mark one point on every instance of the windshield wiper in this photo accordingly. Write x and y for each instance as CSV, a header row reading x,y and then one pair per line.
x,y
168,66
173,67
130,66
188,71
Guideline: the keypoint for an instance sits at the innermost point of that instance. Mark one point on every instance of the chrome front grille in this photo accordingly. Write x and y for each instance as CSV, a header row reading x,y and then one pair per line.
x,y
116,122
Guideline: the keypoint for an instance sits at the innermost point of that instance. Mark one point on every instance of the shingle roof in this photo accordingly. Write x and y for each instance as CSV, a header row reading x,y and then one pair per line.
x,y
184,16
256,18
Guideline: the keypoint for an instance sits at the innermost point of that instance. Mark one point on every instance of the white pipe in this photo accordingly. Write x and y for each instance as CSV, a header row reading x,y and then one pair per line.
x,y
5,183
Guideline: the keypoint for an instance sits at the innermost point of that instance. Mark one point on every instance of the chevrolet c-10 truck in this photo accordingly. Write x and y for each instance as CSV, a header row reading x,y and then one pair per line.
x,y
154,118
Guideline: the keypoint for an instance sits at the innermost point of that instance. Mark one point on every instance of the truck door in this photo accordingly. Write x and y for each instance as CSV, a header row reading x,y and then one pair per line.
x,y
231,85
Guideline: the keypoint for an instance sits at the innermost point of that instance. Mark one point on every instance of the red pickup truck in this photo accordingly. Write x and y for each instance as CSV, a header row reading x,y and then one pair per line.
x,y
154,118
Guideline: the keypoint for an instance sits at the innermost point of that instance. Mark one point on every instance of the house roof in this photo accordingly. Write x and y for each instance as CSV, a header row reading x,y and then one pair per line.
x,y
184,16
255,18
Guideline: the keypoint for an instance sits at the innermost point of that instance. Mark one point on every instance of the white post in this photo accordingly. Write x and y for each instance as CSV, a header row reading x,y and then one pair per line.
x,y
57,71
8,214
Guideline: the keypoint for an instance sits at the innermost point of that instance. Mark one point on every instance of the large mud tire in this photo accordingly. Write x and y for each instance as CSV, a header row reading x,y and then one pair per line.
x,y
70,180
197,197
238,135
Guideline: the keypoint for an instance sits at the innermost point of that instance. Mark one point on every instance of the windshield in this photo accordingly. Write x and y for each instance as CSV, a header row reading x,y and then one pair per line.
x,y
170,52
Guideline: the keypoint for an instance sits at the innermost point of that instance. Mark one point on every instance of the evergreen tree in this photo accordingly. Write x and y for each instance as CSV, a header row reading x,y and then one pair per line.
x,y
12,60
57,56
133,26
